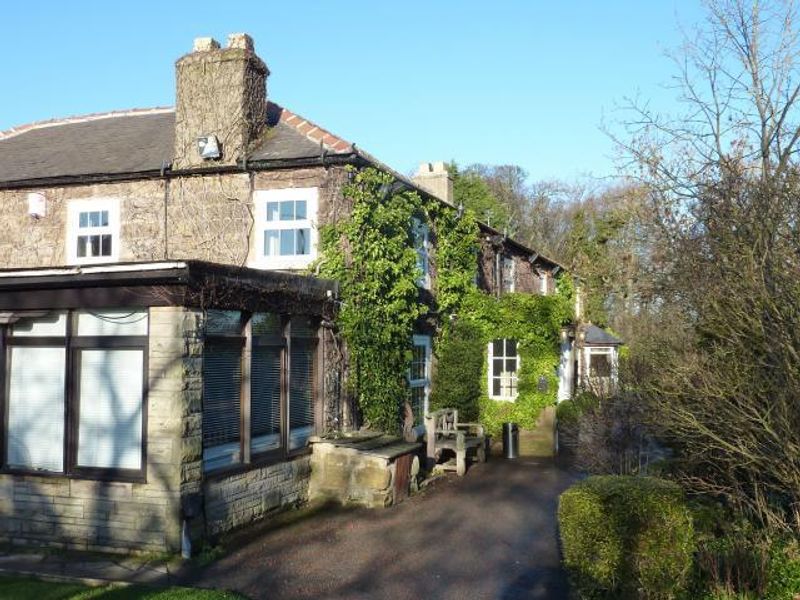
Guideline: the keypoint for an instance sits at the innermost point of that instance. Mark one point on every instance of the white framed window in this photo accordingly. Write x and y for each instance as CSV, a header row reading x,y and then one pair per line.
x,y
503,369
419,377
420,233
93,231
286,234
544,285
509,274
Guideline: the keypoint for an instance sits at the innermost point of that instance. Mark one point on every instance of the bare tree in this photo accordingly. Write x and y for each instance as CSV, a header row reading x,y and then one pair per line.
x,y
738,77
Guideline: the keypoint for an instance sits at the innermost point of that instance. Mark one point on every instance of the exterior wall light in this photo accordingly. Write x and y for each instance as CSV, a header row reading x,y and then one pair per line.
x,y
208,147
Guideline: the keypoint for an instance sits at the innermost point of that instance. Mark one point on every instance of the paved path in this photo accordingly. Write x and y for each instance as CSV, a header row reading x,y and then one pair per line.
x,y
491,534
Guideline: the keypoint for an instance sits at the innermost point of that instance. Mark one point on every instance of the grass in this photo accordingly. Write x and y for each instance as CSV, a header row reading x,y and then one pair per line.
x,y
26,588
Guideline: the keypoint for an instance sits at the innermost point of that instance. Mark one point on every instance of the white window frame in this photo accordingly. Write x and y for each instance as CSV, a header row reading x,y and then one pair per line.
x,y
74,209
543,283
299,261
425,382
490,364
509,287
610,351
420,233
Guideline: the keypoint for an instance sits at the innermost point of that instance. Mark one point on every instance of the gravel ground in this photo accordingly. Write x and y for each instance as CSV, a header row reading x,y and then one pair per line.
x,y
491,534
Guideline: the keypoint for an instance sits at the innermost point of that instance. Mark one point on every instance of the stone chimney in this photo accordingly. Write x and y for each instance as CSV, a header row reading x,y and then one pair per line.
x,y
220,92
435,179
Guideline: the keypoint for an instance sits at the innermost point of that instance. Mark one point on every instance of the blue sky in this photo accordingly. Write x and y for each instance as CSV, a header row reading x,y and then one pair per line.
x,y
520,82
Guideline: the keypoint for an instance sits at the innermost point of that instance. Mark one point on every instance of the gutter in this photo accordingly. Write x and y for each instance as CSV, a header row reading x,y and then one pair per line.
x,y
242,167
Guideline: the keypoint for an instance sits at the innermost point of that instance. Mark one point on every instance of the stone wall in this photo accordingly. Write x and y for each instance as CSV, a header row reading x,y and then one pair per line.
x,y
208,217
235,500
29,242
83,514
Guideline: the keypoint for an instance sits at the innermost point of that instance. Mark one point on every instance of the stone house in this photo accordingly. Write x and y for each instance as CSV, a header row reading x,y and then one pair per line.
x,y
164,354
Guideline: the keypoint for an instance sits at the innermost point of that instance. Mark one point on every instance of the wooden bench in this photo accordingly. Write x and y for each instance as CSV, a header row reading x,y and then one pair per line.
x,y
444,432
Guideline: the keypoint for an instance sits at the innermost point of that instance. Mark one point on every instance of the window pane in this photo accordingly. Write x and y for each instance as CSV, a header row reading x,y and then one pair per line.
x,y
497,368
265,398
83,219
94,219
94,241
266,324
104,218
287,242
223,322
300,209
271,243
105,245
497,348
511,365
599,365
303,245
287,210
418,403
304,326
113,322
53,324
36,408
272,211
81,253
222,376
511,347
495,386
110,408
301,394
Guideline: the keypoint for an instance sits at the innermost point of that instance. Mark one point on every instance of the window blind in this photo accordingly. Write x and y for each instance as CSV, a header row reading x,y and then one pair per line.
x,y
301,393
36,408
265,398
110,408
222,376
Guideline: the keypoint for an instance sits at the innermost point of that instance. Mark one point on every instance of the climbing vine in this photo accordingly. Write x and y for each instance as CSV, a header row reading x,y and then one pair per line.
x,y
372,256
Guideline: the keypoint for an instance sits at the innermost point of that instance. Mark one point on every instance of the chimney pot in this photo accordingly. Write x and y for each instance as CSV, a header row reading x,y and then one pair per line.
x,y
204,44
240,40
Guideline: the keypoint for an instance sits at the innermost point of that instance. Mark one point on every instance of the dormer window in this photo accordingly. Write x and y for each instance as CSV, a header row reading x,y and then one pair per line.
x,y
286,235
93,231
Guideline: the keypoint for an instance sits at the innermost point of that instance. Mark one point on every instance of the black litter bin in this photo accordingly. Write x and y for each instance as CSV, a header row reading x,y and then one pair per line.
x,y
510,440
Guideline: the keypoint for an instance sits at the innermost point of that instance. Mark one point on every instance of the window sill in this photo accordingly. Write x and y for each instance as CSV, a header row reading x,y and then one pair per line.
x,y
260,461
77,476
503,398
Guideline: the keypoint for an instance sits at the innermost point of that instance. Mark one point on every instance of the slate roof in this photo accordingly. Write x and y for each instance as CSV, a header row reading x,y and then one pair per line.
x,y
595,336
137,141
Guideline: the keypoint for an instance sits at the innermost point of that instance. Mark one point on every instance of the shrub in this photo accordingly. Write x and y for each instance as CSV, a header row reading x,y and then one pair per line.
x,y
457,379
626,537
747,563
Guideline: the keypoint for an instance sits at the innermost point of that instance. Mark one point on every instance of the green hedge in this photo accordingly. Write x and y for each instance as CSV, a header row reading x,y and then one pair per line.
x,y
457,379
626,537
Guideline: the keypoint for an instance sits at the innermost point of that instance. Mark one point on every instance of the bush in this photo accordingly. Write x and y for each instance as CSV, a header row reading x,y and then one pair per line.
x,y
457,379
746,563
626,537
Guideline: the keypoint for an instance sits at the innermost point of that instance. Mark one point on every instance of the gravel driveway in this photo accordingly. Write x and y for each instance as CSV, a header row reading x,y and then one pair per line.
x,y
491,534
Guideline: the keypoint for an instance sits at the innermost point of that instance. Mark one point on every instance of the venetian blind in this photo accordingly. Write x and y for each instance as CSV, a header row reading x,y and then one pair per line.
x,y
222,377
110,409
36,408
265,398
301,393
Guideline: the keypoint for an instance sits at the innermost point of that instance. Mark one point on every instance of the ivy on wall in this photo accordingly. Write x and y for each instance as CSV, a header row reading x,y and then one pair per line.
x,y
372,256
